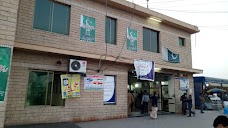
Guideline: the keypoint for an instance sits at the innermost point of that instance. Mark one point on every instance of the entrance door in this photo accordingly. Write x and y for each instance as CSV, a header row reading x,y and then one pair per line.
x,y
165,98
171,92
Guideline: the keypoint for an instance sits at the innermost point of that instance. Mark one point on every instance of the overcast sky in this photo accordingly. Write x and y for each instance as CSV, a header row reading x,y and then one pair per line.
x,y
210,48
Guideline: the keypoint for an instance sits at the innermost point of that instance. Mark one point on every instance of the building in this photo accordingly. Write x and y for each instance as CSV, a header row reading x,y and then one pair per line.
x,y
202,84
42,45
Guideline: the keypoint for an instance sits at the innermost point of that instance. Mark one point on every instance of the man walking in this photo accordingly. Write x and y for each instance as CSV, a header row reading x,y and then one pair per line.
x,y
202,102
189,100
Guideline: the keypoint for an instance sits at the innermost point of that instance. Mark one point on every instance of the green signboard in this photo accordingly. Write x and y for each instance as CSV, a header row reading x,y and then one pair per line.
x,y
5,54
132,39
87,29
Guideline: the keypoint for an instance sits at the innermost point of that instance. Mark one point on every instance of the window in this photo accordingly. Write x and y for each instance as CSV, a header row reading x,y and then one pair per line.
x,y
52,16
110,30
44,88
181,41
150,40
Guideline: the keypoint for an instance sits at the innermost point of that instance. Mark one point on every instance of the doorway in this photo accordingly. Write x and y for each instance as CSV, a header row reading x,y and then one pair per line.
x,y
163,86
165,98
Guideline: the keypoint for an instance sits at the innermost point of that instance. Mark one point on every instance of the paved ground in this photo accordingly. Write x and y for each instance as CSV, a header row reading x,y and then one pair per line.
x,y
164,121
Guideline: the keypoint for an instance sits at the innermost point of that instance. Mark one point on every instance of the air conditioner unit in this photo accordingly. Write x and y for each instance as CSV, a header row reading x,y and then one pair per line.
x,y
77,66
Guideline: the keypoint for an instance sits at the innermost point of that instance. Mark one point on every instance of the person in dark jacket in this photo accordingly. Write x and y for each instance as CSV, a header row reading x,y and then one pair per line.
x,y
189,101
183,98
154,108
154,99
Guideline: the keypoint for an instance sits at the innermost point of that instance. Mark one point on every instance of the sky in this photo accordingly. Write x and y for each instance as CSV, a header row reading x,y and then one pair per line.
x,y
210,45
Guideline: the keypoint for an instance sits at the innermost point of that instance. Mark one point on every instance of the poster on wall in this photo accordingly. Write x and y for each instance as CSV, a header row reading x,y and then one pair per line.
x,y
144,69
93,82
184,84
5,55
109,90
132,39
87,29
70,85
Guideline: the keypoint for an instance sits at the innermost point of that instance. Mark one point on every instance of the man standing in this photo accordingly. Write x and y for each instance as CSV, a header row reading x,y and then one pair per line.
x,y
184,103
202,102
145,100
130,102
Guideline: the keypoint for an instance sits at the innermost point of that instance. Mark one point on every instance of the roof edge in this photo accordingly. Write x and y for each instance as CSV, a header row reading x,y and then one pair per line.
x,y
142,11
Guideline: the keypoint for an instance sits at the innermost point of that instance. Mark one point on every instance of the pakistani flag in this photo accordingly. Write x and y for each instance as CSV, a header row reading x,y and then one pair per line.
x,y
169,56
132,39
87,29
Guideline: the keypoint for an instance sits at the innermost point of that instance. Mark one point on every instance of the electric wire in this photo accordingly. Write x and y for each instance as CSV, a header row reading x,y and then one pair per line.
x,y
161,1
106,45
195,4
124,41
189,11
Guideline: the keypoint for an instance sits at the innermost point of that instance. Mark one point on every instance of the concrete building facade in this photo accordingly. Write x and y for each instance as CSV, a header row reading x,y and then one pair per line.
x,y
39,51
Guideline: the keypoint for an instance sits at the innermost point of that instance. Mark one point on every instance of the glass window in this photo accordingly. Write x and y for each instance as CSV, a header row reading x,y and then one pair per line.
x,y
43,14
61,16
150,40
41,86
181,41
51,16
110,30
146,39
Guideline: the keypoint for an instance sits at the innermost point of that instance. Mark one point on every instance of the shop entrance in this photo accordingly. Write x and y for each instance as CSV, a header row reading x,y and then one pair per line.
x,y
162,86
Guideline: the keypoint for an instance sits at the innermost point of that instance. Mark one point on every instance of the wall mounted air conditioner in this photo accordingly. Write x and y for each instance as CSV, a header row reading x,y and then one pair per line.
x,y
78,66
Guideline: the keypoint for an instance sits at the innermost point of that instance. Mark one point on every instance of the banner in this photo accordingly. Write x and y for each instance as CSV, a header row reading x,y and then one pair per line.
x,y
184,84
132,39
169,56
144,69
109,90
5,55
93,82
87,29
70,84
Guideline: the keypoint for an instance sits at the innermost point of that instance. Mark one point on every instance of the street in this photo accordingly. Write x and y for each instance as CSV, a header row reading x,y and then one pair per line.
x,y
163,121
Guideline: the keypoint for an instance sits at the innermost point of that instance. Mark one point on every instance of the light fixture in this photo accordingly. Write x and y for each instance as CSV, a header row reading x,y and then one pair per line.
x,y
136,85
155,19
207,84
157,69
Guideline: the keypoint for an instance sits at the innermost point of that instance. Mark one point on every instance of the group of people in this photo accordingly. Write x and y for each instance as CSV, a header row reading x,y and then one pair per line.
x,y
144,99
187,103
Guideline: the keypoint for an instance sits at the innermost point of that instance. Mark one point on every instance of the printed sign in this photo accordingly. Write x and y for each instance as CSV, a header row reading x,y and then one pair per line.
x,y
184,84
144,69
87,29
5,55
109,90
132,39
93,82
70,84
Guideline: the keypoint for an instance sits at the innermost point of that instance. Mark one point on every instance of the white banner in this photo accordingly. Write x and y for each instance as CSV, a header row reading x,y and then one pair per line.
x,y
93,82
144,69
109,90
184,84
